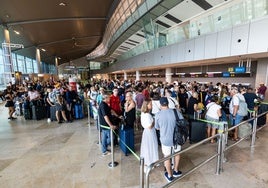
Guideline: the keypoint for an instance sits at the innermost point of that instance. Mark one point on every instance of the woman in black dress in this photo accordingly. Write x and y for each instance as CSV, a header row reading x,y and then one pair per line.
x,y
9,95
130,111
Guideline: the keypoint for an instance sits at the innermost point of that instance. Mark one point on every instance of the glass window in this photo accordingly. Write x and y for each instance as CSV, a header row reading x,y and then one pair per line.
x,y
35,67
29,65
21,64
260,7
14,62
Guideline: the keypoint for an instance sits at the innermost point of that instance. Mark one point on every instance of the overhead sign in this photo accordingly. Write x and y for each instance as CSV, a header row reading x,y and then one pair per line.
x,y
240,69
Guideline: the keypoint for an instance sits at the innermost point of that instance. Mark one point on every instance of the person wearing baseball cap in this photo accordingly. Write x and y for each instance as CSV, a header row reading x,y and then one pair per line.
x,y
165,121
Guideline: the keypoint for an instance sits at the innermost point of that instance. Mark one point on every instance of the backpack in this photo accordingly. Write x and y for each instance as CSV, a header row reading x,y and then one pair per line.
x,y
226,103
180,133
243,107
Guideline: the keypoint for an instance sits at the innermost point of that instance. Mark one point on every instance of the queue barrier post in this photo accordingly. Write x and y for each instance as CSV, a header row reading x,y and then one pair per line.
x,y
99,131
141,172
254,130
219,150
88,113
112,163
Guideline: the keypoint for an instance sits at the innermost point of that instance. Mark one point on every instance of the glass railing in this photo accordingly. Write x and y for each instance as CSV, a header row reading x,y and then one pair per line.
x,y
217,19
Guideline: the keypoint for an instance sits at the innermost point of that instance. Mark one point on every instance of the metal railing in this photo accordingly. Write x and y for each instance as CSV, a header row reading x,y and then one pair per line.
x,y
221,149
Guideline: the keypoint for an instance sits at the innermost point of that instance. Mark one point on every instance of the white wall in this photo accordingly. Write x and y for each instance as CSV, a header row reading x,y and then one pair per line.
x,y
240,40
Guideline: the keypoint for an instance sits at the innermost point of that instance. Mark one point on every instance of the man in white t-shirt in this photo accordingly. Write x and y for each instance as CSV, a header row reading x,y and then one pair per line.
x,y
172,102
233,108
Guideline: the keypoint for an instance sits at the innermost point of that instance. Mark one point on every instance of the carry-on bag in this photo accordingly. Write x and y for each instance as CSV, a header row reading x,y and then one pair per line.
x,y
126,135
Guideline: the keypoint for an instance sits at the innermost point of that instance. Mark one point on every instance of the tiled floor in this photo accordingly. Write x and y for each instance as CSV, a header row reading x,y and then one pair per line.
x,y
40,154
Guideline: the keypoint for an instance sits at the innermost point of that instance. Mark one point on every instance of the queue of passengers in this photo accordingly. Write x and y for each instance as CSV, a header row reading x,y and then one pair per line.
x,y
152,105
144,104
45,94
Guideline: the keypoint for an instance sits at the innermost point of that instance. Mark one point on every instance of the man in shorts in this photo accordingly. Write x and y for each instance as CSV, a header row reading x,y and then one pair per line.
x,y
165,121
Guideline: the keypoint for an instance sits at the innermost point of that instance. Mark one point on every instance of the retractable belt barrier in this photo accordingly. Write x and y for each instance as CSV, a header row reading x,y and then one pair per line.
x,y
135,155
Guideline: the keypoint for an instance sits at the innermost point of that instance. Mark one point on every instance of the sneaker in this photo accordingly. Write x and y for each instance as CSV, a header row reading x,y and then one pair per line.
x,y
177,173
169,179
106,153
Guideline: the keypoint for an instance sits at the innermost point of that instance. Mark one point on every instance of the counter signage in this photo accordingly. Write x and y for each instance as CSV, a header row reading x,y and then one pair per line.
x,y
226,74
240,69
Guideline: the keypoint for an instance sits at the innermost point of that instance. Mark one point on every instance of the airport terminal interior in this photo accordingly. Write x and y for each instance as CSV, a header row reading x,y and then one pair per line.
x,y
87,46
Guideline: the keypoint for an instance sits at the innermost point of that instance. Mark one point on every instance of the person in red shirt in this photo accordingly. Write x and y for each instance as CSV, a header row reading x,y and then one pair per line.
x,y
261,91
115,106
146,93
115,102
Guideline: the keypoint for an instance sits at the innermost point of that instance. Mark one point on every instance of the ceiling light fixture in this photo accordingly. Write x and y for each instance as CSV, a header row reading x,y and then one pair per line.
x,y
62,4
16,32
59,58
43,49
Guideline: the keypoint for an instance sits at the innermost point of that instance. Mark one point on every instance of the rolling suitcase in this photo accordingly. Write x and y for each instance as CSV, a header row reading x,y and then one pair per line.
x,y
197,131
18,109
53,113
38,112
78,112
27,114
126,139
262,119
244,129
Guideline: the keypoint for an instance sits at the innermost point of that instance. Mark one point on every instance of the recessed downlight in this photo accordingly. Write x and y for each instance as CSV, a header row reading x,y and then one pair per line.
x,y
17,32
62,4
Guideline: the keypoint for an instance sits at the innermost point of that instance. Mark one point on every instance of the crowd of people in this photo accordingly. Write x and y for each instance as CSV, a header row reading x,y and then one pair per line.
x,y
46,95
149,105
143,105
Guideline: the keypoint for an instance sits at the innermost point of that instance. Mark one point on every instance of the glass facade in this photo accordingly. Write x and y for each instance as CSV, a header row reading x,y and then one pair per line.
x,y
24,65
218,19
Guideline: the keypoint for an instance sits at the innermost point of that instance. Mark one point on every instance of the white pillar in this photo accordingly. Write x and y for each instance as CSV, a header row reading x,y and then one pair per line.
x,y
7,37
125,75
168,75
137,75
38,60
8,66
56,65
115,76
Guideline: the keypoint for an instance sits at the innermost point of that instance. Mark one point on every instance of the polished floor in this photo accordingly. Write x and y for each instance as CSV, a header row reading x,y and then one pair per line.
x,y
40,154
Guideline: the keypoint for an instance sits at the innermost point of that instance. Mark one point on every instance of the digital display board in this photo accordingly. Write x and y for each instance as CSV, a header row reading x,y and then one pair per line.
x,y
240,69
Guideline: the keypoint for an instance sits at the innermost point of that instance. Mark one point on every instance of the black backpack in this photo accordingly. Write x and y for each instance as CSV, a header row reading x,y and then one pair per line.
x,y
181,133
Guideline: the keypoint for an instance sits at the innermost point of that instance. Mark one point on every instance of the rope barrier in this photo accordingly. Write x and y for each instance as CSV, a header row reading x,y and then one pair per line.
x,y
135,155
211,122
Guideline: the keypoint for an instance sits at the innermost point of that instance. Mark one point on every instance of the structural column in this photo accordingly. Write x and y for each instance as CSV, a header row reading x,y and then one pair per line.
x,y
6,33
125,75
56,65
7,53
168,75
137,75
38,60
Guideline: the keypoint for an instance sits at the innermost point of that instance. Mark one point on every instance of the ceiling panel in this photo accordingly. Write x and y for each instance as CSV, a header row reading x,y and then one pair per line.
x,y
215,2
68,31
185,10
167,21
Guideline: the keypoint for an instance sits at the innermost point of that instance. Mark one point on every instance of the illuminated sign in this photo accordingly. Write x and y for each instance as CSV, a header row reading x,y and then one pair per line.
x,y
240,69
